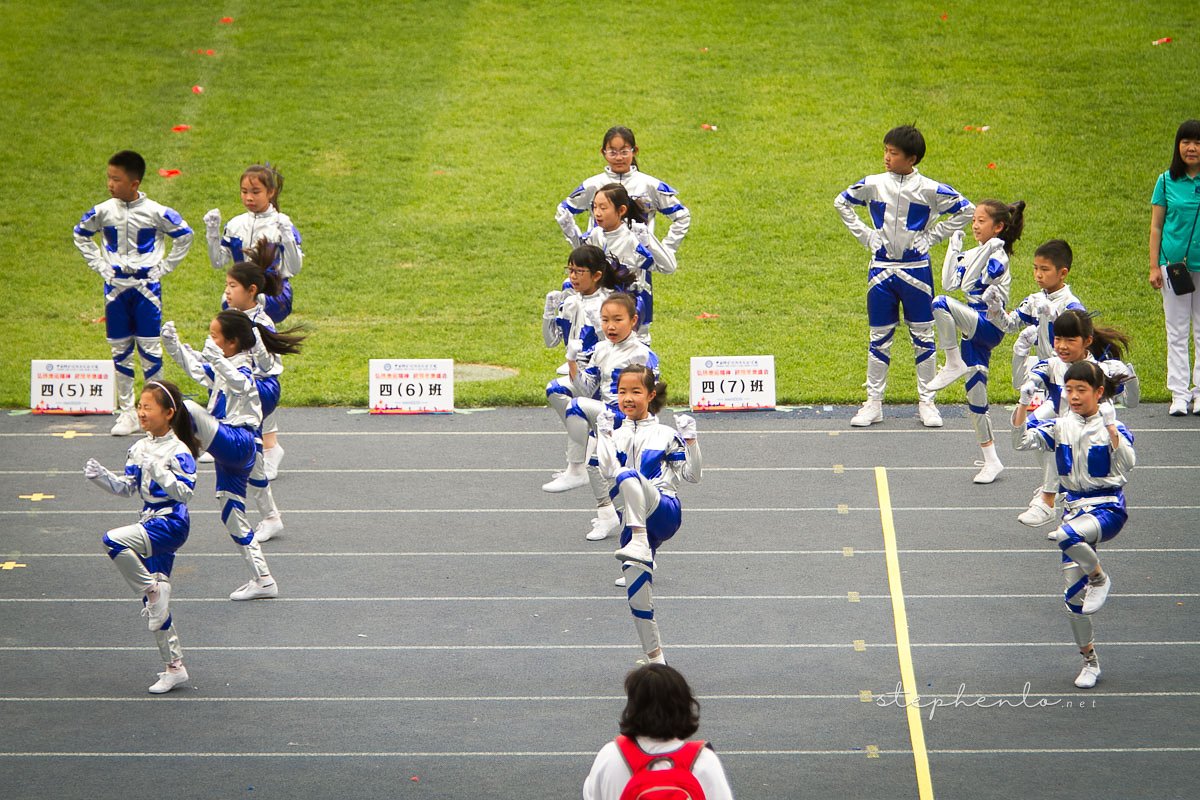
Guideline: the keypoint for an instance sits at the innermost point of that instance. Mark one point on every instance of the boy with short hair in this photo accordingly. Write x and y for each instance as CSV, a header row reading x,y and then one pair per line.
x,y
904,207
132,264
1037,312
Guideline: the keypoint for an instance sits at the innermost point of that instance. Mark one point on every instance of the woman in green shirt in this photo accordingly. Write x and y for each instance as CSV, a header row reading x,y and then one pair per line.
x,y
1173,238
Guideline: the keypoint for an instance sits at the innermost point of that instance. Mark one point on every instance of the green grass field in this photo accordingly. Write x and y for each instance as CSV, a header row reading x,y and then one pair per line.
x,y
426,144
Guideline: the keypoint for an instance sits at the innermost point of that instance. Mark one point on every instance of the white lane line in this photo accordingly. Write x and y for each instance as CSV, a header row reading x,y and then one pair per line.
x,y
846,431
73,473
690,510
853,752
857,698
521,647
589,598
841,553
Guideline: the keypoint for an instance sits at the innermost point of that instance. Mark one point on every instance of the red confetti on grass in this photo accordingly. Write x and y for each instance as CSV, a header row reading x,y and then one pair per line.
x,y
202,52
181,128
991,165
703,49
168,173
945,17
706,127
1164,40
226,20
197,89
415,779
706,315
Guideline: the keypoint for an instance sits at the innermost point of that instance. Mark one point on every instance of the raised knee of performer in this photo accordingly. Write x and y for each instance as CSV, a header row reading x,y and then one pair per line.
x,y
625,475
113,548
555,387
940,304
1067,537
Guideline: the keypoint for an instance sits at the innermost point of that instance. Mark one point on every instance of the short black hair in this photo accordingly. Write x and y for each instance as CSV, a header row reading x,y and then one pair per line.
x,y
1057,251
1190,129
908,140
661,704
133,164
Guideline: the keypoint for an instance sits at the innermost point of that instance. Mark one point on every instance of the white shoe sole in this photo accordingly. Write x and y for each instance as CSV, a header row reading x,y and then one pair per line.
x,y
988,474
168,681
265,531
945,376
1087,679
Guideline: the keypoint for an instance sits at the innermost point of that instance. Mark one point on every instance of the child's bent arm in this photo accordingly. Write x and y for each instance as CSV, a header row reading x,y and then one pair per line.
x,y
693,465
87,245
292,259
184,356
177,485
238,380
960,211
120,485
173,225
857,195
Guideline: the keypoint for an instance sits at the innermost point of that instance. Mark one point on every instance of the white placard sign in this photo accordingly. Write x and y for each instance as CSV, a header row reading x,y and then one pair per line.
x,y
71,387
412,386
733,383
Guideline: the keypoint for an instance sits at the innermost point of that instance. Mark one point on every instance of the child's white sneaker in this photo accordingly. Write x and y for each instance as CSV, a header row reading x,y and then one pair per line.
x,y
156,606
948,375
564,481
1037,515
254,590
989,471
620,582
930,416
1179,407
271,460
126,424
604,524
1095,594
1088,676
206,458
268,529
636,551
870,413
168,680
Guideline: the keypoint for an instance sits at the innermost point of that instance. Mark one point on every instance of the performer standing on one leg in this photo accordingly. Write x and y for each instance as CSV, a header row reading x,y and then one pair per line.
x,y
644,460
162,469
1095,455
227,428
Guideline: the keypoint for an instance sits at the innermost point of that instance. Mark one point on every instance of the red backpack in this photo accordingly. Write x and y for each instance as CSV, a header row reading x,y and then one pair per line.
x,y
677,782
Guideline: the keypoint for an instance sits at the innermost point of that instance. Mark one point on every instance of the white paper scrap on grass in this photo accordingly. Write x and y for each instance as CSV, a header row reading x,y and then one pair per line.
x,y
412,386
733,383
71,387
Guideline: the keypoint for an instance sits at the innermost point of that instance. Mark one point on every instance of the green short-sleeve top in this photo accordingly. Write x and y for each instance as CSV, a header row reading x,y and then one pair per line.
x,y
1181,197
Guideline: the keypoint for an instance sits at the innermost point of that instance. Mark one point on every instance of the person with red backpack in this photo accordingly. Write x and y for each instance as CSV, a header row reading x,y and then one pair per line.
x,y
651,759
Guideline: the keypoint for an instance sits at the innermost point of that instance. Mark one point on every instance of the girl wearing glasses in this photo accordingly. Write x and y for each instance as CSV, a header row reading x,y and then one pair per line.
x,y
620,151
572,317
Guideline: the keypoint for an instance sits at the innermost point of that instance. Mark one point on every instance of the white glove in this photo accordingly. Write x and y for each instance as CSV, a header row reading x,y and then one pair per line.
x,y
993,296
605,421
566,221
285,233
156,272
956,241
168,332
1026,341
595,236
642,231
995,245
1028,391
106,271
553,301
573,348
875,242
93,469
212,221
1041,305
211,352
1108,414
921,242
686,425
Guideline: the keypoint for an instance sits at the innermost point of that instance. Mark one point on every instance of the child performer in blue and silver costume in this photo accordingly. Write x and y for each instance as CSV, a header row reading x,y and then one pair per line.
x,y
644,461
161,468
1094,456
